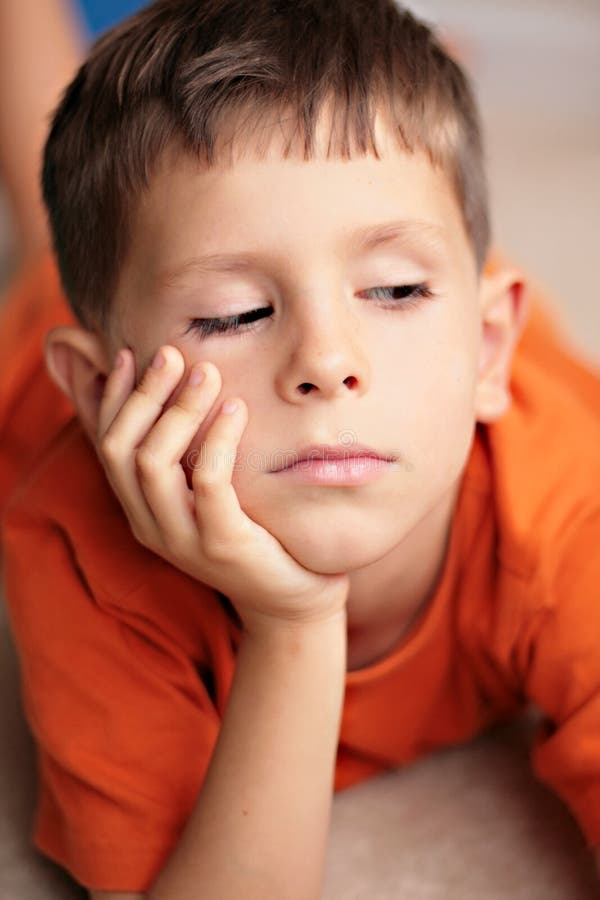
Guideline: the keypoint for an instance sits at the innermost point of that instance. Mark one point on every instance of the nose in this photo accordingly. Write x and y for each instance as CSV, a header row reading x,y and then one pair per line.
x,y
324,357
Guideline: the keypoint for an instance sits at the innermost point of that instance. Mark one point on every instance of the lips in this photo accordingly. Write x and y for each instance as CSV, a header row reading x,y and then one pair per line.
x,y
332,452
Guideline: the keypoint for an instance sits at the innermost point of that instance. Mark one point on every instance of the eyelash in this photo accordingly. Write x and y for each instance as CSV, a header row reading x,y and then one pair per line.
x,y
245,322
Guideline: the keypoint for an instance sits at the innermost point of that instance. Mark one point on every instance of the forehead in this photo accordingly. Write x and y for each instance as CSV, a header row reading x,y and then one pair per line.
x,y
255,199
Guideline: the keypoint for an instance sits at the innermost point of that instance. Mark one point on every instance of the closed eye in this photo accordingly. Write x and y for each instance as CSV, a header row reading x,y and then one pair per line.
x,y
397,297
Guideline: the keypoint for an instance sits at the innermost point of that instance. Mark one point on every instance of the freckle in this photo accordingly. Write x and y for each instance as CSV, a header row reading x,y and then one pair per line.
x,y
244,812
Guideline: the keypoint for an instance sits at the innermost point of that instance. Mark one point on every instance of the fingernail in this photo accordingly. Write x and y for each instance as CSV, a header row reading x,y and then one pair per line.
x,y
159,360
119,359
229,407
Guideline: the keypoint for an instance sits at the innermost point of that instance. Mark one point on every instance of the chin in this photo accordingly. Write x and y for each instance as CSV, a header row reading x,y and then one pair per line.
x,y
329,550
330,533
330,560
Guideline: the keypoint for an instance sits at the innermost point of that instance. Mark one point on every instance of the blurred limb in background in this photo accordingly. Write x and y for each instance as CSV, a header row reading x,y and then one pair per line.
x,y
42,42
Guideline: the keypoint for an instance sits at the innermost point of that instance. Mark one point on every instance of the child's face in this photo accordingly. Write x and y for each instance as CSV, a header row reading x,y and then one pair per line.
x,y
399,380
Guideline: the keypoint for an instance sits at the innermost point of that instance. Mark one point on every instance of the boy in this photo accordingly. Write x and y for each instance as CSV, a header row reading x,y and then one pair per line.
x,y
389,542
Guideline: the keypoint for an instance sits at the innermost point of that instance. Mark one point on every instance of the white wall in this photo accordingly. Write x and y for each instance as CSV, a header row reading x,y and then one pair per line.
x,y
536,67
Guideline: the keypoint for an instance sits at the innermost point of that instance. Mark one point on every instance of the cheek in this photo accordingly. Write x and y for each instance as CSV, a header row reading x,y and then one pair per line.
x,y
448,383
437,411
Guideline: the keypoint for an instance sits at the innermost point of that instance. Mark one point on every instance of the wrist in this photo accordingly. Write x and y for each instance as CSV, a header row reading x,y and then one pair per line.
x,y
323,609
276,630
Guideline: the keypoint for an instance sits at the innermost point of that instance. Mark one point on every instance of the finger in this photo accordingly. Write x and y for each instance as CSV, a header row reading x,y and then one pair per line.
x,y
117,389
145,404
118,444
217,509
158,459
118,386
173,433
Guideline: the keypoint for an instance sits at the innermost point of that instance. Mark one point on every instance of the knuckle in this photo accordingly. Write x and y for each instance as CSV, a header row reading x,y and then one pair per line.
x,y
109,448
146,382
147,537
139,534
183,407
146,461
146,390
206,485
217,551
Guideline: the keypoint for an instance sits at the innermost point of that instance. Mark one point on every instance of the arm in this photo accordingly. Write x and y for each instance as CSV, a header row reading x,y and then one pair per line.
x,y
41,45
259,828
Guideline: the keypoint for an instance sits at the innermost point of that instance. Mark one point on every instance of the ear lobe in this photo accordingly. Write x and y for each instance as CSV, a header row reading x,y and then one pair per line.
x,y
504,312
77,362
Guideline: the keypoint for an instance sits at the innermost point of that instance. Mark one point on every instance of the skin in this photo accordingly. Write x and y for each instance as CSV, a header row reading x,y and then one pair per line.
x,y
41,45
411,382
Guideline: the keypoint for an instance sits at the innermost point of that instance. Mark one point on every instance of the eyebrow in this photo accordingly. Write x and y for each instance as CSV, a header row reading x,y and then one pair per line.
x,y
363,240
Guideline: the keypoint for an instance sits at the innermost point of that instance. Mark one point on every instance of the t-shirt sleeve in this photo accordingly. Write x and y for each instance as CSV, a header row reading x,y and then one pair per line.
x,y
123,723
563,677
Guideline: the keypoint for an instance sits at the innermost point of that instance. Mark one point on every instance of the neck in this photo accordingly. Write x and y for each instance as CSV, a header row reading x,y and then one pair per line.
x,y
387,597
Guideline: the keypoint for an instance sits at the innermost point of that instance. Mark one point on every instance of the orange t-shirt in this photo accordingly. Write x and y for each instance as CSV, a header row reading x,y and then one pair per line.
x,y
32,408
126,662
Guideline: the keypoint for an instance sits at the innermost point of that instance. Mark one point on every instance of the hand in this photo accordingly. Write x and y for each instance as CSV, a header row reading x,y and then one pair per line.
x,y
203,530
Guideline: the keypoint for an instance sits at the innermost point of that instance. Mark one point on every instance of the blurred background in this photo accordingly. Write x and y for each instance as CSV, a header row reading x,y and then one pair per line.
x,y
536,70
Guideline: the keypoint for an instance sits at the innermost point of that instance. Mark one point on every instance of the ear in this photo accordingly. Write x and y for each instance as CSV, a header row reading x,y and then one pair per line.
x,y
504,309
78,363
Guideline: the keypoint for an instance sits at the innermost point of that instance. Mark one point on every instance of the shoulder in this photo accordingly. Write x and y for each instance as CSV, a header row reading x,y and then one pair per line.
x,y
544,453
69,455
66,515
529,613
534,480
67,491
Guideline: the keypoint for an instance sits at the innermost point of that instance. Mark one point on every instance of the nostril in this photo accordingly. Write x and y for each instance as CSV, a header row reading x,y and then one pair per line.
x,y
350,381
305,387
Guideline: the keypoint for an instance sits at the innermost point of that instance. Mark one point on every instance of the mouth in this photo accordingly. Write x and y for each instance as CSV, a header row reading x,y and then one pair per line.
x,y
331,453
333,464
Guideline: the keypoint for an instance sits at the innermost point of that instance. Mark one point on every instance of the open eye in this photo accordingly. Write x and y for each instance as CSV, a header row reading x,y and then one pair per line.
x,y
402,295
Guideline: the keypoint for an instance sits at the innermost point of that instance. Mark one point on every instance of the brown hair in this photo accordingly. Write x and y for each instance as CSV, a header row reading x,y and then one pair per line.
x,y
178,69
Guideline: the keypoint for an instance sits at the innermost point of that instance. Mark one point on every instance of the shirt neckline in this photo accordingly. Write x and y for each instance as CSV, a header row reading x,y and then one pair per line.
x,y
474,480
